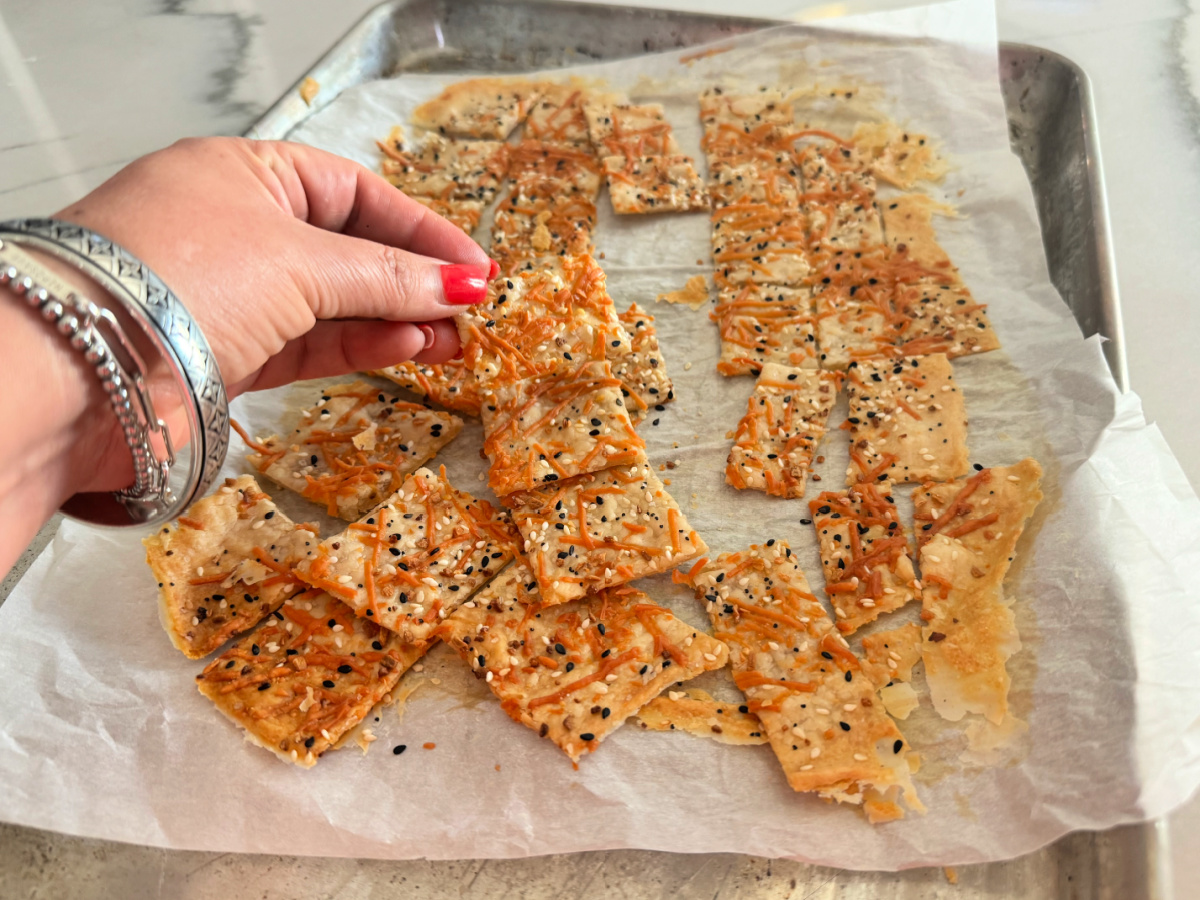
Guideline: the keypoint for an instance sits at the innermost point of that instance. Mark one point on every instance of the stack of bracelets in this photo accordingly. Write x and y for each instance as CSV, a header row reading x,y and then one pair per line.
x,y
95,328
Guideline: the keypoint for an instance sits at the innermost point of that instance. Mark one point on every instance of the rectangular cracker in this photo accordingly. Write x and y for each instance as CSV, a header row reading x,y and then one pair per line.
x,y
554,226
784,422
654,184
696,712
543,171
759,243
538,322
942,317
642,371
478,108
575,672
854,321
907,421
445,169
889,656
835,169
820,712
908,227
413,560
746,110
309,674
776,183
768,145
601,530
464,214
450,384
762,324
864,554
843,224
557,117
557,426
899,157
353,448
224,565
968,532
619,128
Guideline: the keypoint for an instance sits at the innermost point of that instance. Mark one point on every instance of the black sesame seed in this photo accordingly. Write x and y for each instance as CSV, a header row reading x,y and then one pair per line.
x,y
398,749
327,683
827,654
845,726
587,736
264,685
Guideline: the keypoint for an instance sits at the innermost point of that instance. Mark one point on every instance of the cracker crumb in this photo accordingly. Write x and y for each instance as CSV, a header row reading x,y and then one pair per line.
x,y
308,90
694,293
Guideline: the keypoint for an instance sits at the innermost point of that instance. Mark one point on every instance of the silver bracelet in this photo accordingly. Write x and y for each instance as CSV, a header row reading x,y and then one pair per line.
x,y
142,297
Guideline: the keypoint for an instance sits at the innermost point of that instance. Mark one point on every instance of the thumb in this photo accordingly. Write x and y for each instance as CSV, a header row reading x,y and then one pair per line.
x,y
345,277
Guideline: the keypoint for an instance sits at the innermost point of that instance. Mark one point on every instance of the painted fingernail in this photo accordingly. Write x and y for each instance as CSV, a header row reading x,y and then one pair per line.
x,y
463,285
430,337
494,270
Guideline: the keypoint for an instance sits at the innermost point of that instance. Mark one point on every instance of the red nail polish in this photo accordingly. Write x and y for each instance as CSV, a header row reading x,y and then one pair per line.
x,y
459,354
430,335
494,270
463,285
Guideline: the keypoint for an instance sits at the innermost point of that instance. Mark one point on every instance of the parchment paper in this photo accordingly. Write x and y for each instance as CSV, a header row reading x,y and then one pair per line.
x,y
102,732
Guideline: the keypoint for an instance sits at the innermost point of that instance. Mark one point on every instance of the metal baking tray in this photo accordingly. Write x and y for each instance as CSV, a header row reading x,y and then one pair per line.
x,y
1052,129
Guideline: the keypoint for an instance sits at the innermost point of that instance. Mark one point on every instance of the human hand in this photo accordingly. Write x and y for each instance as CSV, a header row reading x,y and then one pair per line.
x,y
294,262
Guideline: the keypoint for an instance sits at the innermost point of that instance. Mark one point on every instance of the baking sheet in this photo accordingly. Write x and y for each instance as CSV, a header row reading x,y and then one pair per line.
x,y
103,734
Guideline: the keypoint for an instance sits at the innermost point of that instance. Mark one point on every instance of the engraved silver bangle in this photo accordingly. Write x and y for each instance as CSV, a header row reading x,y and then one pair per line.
x,y
143,298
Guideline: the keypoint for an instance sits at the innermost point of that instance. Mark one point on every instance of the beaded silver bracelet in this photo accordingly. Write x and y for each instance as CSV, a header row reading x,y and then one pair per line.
x,y
142,297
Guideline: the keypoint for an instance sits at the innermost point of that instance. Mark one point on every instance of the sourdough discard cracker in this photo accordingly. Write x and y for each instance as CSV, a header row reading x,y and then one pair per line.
x,y
310,673
464,214
542,171
413,560
557,117
775,182
653,184
641,370
759,243
762,324
942,317
450,384
619,128
447,170
575,672
890,655
696,712
601,530
224,565
478,108
907,421
820,712
353,448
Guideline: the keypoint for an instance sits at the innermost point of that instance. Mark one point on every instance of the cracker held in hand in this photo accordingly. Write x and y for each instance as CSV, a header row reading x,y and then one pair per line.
x,y
600,530
353,448
413,560
478,108
968,532
864,553
907,421
463,214
447,170
308,675
765,323
778,436
654,184
224,565
539,322
642,371
450,384
821,714
575,672
541,430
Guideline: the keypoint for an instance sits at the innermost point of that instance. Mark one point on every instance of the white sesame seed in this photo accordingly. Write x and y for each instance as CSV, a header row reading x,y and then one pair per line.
x,y
815,752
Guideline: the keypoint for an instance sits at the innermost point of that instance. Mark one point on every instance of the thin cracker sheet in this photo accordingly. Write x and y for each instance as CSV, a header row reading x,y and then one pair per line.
x,y
82,654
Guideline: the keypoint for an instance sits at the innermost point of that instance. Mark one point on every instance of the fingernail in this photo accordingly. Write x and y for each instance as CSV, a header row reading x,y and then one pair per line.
x,y
430,337
494,270
463,285
459,354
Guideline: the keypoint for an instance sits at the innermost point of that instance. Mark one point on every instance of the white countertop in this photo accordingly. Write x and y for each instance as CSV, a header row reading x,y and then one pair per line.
x,y
89,85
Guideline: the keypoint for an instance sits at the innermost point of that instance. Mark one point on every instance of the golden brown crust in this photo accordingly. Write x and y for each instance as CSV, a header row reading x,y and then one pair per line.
x,y
890,655
908,224
765,323
557,117
478,108
450,384
447,170
696,712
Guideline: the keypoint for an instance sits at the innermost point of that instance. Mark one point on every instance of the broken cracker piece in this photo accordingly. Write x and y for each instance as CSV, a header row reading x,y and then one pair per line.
x,y
908,225
942,317
696,712
890,655
642,370
450,384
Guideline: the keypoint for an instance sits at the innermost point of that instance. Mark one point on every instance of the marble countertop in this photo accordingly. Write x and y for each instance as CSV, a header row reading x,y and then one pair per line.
x,y
89,85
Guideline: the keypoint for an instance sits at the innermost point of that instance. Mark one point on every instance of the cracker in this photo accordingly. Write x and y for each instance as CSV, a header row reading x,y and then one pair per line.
x,y
413,560
762,324
642,371
548,226
601,530
538,322
943,317
968,532
864,554
835,169
575,672
541,430
907,421
843,224
478,108
696,712
897,156
464,214
776,183
653,184
854,322
768,145
784,422
446,169
908,225
557,117
759,243
746,110
450,384
821,714
224,565
353,448
543,171
890,655
309,674
627,129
